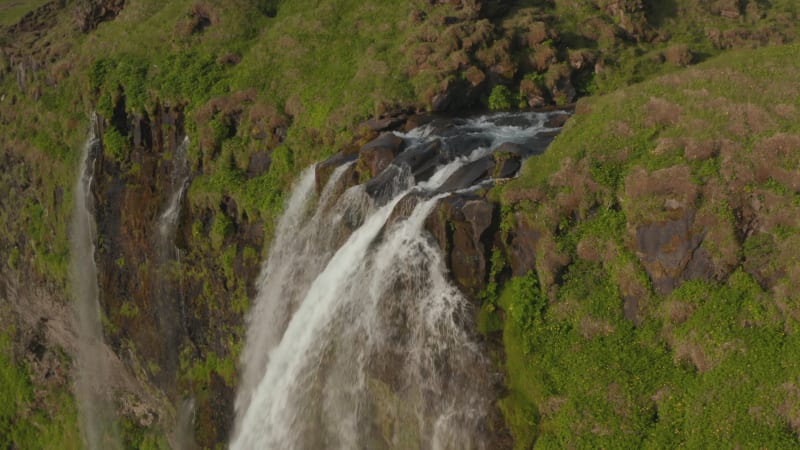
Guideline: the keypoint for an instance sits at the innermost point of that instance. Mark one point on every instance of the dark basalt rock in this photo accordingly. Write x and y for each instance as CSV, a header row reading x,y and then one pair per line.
x,y
459,225
469,175
670,252
418,162
507,164
521,247
383,124
463,144
422,160
259,163
324,170
557,121
384,186
376,155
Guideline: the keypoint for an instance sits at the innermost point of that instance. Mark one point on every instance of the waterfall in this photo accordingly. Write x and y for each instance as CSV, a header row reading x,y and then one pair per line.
x,y
168,220
168,293
357,339
93,368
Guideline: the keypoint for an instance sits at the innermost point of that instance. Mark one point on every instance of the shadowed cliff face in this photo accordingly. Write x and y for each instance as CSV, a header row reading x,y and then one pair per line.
x,y
151,274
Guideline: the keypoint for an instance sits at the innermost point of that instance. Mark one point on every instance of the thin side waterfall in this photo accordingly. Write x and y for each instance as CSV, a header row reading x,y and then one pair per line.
x,y
93,369
357,339
168,292
168,220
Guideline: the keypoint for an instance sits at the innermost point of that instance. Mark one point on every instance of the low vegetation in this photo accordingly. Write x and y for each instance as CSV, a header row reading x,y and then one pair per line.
x,y
702,357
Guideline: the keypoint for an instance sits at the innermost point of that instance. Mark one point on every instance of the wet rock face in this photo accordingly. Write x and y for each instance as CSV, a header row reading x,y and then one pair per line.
x,y
147,293
126,212
375,156
521,247
670,252
462,225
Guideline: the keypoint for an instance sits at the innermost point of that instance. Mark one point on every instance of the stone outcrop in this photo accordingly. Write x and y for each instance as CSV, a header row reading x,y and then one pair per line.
x,y
670,252
88,15
462,226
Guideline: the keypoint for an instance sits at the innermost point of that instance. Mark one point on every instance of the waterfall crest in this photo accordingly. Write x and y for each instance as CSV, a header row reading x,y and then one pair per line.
x,y
357,339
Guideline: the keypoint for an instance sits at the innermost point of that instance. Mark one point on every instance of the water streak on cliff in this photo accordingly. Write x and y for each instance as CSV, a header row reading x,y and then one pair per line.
x,y
168,220
93,369
169,297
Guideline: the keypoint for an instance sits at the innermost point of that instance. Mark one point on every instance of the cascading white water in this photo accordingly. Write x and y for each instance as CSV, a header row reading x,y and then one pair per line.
x,y
364,343
168,220
92,366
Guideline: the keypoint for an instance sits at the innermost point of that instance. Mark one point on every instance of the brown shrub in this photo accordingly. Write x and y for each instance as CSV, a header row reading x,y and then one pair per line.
x,y
790,408
778,158
589,249
669,145
200,16
674,182
550,261
580,59
552,405
660,112
701,150
785,111
475,76
537,33
229,59
577,190
687,351
620,128
748,118
543,57
679,55
294,106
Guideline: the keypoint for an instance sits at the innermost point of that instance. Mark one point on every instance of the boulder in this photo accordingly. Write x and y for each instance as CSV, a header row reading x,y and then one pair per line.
x,y
460,224
414,165
557,120
468,175
670,252
324,170
383,124
422,159
376,155
507,164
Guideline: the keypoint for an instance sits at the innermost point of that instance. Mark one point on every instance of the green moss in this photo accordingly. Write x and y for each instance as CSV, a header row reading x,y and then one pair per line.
x,y
115,144
501,98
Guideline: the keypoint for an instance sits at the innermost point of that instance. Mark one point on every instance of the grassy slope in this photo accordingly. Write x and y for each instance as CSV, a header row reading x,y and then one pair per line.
x,y
24,423
713,363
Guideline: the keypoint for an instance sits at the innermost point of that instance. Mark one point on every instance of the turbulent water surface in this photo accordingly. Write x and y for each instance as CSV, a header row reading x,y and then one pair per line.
x,y
357,339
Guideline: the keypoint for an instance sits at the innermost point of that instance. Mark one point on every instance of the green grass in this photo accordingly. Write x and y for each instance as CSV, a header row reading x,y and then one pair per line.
x,y
11,11
710,364
27,421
